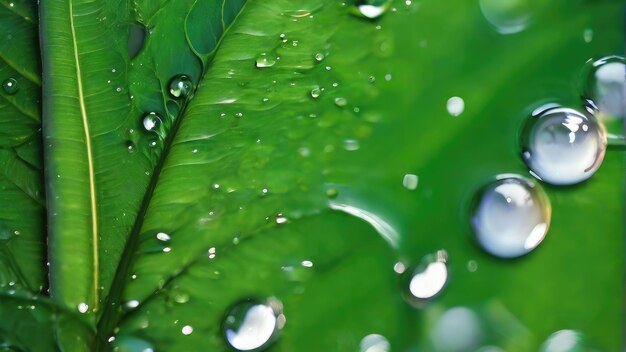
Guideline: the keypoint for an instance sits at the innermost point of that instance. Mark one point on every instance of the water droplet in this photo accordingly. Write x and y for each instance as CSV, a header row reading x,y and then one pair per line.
x,y
131,344
187,330
410,181
10,86
211,253
83,308
604,83
351,145
375,343
264,61
162,236
152,121
510,217
130,146
457,329
132,304
332,193
181,87
280,218
455,106
562,146
507,16
371,8
566,341
588,35
316,92
427,279
253,325
319,57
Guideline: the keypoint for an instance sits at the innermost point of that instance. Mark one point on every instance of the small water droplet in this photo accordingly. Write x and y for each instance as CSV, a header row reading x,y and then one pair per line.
x,y
211,253
351,145
410,181
455,106
10,86
253,325
130,146
131,344
187,330
316,92
332,193
566,341
371,8
180,86
162,236
280,218
457,329
341,102
264,61
510,217
562,146
319,57
152,121
83,308
132,304
588,35
427,279
375,343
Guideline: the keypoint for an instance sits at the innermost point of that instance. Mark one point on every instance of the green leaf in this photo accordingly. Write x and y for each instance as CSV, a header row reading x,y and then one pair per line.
x,y
22,214
99,157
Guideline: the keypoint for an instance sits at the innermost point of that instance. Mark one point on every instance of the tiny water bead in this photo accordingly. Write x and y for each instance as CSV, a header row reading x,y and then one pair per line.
x,y
10,86
152,121
427,279
319,57
253,325
316,92
510,217
180,86
562,146
605,81
566,341
341,102
455,106
410,181
371,9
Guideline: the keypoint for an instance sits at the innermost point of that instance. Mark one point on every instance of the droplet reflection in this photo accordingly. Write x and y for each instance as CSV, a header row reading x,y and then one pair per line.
x,y
253,325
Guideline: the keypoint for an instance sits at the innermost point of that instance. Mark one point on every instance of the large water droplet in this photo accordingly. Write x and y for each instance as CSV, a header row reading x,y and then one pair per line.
x,y
253,325
458,329
152,122
562,146
455,106
507,16
371,8
566,341
180,87
510,217
427,279
10,86
375,343
264,61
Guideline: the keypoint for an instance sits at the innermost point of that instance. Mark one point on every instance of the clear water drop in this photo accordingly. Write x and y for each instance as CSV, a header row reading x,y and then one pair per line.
x,y
510,216
10,86
566,341
427,279
604,84
152,122
562,146
371,9
187,330
130,146
455,106
83,308
410,181
180,86
264,61
507,16
125,343
316,92
375,343
457,329
163,237
319,57
341,102
253,325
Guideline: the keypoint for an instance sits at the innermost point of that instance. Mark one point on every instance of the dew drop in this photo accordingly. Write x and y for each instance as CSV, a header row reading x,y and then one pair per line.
x,y
162,236
151,121
410,181
588,35
83,308
187,330
510,217
375,343
10,86
253,325
507,16
131,344
455,106
130,146
427,279
319,57
341,102
264,61
561,146
180,86
316,92
351,145
371,8
604,83
566,341
332,193
457,329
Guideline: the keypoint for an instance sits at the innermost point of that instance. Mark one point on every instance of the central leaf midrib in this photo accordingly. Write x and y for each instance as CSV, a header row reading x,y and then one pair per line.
x,y
92,186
